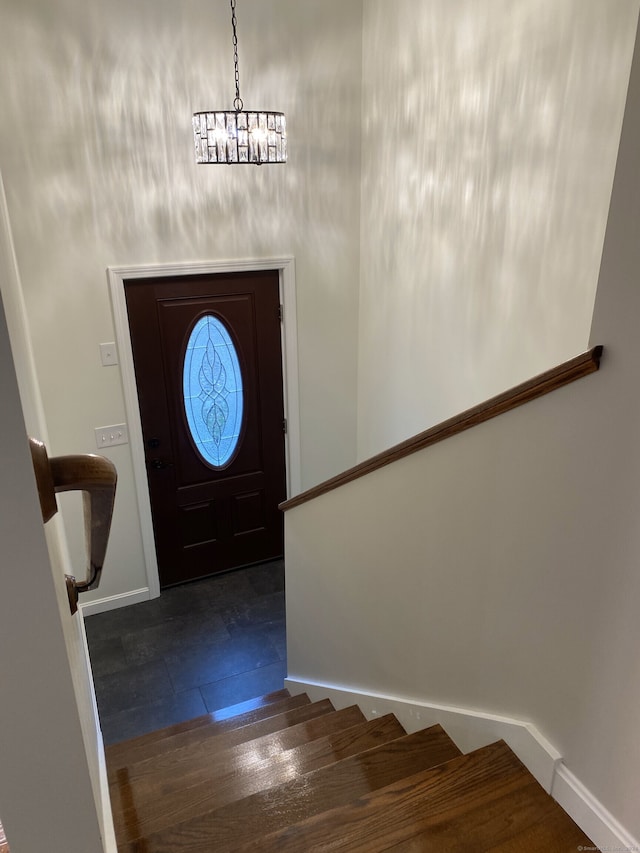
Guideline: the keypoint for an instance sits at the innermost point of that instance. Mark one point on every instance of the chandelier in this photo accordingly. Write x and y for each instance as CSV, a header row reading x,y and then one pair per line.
x,y
239,135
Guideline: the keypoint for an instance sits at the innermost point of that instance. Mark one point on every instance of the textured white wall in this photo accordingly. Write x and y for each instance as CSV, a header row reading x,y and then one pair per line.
x,y
44,770
489,138
498,570
515,108
72,627
97,156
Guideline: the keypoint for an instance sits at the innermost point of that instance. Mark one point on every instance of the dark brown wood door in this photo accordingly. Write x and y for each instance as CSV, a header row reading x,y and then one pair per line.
x,y
208,364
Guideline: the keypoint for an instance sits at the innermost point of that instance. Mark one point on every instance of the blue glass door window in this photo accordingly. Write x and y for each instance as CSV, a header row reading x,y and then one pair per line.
x,y
212,389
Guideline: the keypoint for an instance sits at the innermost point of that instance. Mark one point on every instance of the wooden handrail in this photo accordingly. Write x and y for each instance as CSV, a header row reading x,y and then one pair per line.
x,y
569,371
96,478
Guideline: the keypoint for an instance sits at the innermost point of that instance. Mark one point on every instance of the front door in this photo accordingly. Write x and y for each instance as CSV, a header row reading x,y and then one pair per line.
x,y
208,363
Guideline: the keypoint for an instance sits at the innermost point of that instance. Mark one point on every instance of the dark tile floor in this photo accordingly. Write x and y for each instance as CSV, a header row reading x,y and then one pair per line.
x,y
197,648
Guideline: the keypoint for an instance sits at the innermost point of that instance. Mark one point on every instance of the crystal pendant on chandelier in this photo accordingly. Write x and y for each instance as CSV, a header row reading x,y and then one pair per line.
x,y
239,135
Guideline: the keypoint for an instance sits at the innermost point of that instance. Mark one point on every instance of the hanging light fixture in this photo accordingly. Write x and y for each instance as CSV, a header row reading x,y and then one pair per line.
x,y
239,135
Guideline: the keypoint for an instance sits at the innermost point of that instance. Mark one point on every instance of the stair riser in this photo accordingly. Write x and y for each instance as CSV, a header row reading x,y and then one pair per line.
x,y
175,760
116,752
154,802
167,740
315,780
472,800
307,795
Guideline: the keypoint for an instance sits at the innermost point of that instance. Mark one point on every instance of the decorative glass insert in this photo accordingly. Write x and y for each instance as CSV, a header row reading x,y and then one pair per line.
x,y
212,388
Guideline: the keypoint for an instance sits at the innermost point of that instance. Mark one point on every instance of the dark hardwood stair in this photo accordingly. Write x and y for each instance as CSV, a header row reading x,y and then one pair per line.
x,y
140,795
286,774
254,709
182,734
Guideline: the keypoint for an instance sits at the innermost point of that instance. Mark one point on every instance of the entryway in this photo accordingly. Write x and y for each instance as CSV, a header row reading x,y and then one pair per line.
x,y
214,641
284,268
208,366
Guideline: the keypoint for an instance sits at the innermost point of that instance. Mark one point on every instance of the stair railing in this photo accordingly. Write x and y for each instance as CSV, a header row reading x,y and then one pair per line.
x,y
582,365
96,477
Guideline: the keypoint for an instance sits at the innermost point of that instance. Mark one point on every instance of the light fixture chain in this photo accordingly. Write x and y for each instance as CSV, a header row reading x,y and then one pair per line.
x,y
234,23
226,136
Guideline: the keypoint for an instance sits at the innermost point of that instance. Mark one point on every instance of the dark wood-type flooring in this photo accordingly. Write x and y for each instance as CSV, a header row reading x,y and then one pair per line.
x,y
282,774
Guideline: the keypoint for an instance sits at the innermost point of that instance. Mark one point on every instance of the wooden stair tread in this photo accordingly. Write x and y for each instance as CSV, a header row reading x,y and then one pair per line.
x,y
192,744
307,794
556,831
224,715
307,746
284,774
346,742
151,800
138,748
481,801
329,739
526,821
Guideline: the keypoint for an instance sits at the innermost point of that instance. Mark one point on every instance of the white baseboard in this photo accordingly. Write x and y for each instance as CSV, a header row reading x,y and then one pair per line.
x,y
468,729
103,799
473,729
590,815
109,841
113,602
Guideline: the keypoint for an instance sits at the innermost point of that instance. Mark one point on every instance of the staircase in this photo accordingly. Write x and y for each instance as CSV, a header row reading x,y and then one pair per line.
x,y
282,773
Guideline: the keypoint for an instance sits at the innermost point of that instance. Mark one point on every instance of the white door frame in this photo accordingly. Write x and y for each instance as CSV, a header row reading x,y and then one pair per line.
x,y
116,278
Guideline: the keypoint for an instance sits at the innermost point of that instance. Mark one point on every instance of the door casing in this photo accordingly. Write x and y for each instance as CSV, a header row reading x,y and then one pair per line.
x,y
116,277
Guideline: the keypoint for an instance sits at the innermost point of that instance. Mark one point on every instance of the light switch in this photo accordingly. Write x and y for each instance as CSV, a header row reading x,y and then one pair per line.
x,y
107,436
108,354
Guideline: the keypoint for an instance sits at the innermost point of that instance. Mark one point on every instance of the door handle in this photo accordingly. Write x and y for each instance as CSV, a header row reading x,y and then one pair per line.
x,y
96,477
159,464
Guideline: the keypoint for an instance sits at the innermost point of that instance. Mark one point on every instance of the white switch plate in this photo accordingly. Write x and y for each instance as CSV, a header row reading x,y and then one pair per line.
x,y
108,354
107,436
